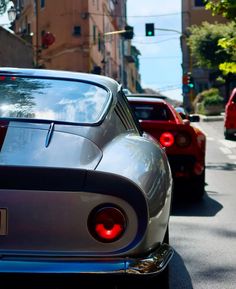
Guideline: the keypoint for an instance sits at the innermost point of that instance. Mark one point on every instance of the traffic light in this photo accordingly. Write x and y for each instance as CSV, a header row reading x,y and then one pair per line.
x,y
185,79
190,80
149,29
129,32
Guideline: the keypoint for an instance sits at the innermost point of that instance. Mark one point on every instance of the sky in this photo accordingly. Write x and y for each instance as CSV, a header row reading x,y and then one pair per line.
x,y
161,58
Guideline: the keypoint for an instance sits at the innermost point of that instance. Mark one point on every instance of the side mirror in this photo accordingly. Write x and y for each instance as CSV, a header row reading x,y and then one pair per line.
x,y
194,118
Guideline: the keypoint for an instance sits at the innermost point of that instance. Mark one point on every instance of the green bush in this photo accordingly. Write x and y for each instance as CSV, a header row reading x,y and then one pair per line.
x,y
212,97
209,102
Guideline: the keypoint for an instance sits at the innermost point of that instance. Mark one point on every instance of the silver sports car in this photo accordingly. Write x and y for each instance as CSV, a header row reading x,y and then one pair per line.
x,y
83,189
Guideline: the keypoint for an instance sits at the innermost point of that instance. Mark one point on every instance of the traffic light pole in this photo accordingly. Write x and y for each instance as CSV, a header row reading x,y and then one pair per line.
x,y
171,30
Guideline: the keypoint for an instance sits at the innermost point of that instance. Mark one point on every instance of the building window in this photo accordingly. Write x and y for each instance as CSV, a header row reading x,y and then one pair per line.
x,y
42,3
77,31
199,3
99,42
94,34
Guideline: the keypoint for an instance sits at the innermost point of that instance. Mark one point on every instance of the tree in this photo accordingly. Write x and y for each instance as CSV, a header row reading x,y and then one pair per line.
x,y
226,8
203,42
207,53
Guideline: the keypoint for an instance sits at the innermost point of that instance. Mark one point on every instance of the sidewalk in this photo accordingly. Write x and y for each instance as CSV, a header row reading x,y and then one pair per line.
x,y
212,117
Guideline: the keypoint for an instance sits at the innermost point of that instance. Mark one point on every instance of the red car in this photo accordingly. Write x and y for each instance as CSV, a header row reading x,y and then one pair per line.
x,y
230,116
185,144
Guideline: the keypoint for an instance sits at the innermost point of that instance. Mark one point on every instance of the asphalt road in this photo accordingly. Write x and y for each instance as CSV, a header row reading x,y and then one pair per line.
x,y
203,233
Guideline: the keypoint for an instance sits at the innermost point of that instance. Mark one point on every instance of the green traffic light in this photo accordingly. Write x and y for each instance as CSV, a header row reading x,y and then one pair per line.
x,y
191,85
149,29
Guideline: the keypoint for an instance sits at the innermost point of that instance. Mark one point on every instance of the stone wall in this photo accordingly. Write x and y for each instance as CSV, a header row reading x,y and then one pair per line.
x,y
14,51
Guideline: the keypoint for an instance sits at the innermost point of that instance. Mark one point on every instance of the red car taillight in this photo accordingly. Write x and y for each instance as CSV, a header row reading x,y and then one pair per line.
x,y
167,139
182,139
107,224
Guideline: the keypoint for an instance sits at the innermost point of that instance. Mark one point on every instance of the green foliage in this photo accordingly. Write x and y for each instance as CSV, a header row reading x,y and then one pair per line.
x,y
211,97
209,44
228,67
229,44
209,102
226,8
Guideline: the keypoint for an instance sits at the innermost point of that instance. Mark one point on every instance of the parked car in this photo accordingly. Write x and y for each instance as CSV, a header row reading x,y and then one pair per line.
x,y
185,115
230,116
83,189
185,145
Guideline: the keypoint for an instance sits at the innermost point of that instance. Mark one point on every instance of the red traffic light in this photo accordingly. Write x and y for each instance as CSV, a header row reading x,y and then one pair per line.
x,y
185,79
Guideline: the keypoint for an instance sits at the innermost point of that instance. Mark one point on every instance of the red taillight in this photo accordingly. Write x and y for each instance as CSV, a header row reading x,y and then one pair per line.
x,y
107,224
182,140
167,139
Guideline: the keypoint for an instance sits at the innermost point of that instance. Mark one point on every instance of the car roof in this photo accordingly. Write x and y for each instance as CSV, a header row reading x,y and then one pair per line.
x,y
146,99
148,95
35,72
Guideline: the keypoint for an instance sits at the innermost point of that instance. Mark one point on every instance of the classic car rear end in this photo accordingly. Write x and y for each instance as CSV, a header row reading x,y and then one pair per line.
x,y
82,190
185,144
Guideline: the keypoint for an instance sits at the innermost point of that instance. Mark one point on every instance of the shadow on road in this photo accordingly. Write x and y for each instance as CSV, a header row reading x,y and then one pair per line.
x,y
184,206
221,166
179,276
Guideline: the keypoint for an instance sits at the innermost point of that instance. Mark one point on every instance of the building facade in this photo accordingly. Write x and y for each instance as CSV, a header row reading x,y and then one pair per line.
x,y
76,35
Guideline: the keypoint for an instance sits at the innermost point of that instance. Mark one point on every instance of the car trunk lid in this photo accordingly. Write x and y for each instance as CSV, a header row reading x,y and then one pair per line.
x,y
41,144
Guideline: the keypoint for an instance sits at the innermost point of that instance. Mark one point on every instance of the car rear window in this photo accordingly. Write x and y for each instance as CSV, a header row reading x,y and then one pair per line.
x,y
52,99
151,111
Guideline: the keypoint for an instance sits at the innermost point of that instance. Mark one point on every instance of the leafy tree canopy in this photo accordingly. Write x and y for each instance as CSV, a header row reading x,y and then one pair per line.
x,y
226,8
204,44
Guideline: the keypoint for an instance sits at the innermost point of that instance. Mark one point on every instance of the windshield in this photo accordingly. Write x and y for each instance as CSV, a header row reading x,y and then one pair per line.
x,y
151,112
51,99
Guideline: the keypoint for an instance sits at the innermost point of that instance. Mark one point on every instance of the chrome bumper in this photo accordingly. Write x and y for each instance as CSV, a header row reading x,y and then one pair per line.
x,y
154,263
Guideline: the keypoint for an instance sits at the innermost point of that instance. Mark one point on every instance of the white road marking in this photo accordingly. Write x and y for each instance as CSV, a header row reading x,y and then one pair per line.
x,y
210,139
232,157
225,150
229,144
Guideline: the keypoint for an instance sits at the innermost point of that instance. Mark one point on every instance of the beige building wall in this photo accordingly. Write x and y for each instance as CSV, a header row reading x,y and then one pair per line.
x,y
81,41
78,28
14,52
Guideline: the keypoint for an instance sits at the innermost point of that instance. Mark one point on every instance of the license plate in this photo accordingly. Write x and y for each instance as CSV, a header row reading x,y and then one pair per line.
x,y
3,222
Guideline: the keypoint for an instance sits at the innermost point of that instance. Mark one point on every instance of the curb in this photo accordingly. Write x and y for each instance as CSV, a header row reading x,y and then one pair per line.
x,y
212,117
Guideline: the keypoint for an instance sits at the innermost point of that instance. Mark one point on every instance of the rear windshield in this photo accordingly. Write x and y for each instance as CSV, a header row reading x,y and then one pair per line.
x,y
51,99
151,111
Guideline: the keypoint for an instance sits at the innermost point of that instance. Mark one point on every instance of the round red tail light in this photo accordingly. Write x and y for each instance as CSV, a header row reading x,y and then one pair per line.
x,y
107,224
167,139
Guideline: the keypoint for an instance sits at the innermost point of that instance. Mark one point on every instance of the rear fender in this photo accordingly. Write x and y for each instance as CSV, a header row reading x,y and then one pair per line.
x,y
63,179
